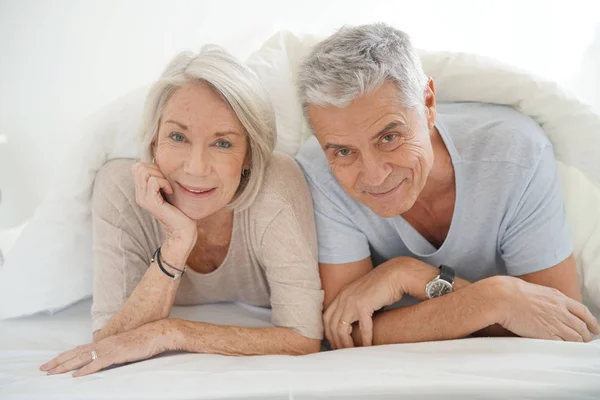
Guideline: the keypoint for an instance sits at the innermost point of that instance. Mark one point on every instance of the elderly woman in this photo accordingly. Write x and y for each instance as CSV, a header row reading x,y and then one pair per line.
x,y
210,215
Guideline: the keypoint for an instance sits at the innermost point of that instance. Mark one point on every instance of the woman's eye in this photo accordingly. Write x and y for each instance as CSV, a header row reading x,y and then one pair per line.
x,y
224,144
388,138
178,137
343,153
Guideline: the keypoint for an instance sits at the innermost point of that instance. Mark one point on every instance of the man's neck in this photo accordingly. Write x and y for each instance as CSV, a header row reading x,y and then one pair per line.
x,y
441,179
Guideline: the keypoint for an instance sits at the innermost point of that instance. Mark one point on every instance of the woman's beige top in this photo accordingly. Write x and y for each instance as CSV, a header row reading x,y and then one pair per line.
x,y
271,261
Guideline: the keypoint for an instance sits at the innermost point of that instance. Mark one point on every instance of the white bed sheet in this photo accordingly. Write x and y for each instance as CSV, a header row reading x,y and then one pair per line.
x,y
470,368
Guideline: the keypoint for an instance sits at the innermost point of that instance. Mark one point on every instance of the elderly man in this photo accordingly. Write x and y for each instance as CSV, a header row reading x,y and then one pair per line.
x,y
456,205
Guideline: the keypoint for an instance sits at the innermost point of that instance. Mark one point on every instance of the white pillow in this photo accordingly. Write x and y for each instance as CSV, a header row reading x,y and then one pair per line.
x,y
50,266
582,204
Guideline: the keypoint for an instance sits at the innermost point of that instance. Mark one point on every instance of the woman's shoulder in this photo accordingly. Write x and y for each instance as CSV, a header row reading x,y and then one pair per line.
x,y
284,180
284,194
114,184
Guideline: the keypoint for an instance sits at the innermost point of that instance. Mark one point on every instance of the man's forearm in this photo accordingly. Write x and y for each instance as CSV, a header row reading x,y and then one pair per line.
x,y
414,278
452,316
200,337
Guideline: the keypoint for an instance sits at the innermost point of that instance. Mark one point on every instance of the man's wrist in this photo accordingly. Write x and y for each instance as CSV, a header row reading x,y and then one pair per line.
x,y
413,275
493,292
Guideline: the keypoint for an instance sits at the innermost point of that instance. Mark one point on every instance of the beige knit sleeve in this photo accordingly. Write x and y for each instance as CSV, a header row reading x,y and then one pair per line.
x,y
289,257
121,240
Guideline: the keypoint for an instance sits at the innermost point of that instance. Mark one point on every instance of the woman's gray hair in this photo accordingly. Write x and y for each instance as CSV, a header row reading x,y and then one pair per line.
x,y
356,61
239,87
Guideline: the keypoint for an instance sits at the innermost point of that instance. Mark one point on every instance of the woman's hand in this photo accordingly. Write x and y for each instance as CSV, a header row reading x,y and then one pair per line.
x,y
135,345
150,184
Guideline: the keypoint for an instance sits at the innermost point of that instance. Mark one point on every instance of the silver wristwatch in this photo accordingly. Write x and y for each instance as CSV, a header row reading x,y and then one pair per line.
x,y
441,284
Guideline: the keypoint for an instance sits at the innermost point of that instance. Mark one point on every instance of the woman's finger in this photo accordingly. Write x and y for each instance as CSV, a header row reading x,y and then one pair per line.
x,y
61,358
142,174
76,362
155,185
92,367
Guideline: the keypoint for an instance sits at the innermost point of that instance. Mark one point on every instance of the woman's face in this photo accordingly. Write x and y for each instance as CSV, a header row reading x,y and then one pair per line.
x,y
201,149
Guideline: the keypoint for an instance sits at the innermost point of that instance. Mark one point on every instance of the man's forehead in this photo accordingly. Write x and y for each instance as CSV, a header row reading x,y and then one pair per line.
x,y
333,124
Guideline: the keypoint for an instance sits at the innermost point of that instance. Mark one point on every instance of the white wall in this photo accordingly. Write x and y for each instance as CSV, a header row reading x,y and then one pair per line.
x,y
62,59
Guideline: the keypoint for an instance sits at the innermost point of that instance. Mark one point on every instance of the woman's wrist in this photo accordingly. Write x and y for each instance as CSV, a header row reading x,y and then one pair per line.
x,y
176,253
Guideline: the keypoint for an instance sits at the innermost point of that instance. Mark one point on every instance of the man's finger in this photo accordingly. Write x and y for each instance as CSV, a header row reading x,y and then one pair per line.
x,y
344,328
327,319
583,313
365,322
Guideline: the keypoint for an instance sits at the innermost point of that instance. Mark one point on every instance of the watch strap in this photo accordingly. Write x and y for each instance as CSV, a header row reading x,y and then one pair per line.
x,y
447,273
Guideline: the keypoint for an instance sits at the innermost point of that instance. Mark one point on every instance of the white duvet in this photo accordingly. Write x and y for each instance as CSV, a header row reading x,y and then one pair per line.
x,y
490,368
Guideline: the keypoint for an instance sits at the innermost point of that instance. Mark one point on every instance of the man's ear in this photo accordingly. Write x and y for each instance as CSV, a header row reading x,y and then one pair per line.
x,y
430,103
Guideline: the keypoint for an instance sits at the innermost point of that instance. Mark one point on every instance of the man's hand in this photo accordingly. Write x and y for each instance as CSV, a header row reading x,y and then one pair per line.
x,y
357,302
539,312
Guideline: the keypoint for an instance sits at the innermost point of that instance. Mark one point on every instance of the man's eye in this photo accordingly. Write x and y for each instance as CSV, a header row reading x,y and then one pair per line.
x,y
343,153
388,138
224,144
178,137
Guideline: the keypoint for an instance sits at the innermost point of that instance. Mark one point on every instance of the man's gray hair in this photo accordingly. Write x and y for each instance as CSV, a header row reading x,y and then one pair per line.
x,y
239,87
356,61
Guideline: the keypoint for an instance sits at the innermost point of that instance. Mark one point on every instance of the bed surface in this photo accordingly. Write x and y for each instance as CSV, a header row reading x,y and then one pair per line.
x,y
477,367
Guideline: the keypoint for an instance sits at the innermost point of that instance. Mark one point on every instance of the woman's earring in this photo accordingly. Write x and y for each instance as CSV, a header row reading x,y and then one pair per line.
x,y
245,172
153,160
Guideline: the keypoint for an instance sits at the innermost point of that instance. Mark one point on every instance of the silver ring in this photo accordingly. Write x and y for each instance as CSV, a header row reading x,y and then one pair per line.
x,y
94,355
345,323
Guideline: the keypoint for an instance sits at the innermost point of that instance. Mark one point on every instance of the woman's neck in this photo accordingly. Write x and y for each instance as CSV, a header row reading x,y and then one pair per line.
x,y
215,228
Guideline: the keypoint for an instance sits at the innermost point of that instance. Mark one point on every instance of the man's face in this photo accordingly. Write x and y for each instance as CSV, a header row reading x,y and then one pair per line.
x,y
379,151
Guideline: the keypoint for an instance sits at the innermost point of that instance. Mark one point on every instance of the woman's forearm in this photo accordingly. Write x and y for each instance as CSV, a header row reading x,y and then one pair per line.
x,y
151,300
199,337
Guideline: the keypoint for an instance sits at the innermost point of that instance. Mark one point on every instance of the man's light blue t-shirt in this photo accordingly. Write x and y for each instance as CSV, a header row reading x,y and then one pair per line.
x,y
509,216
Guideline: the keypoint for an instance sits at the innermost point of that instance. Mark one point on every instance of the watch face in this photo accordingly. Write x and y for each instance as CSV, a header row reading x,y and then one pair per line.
x,y
438,288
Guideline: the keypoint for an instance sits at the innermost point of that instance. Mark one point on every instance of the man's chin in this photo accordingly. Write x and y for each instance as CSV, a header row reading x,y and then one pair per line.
x,y
388,210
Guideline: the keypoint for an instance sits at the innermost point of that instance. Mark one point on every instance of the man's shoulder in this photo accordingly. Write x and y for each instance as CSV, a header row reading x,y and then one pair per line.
x,y
325,189
313,161
492,133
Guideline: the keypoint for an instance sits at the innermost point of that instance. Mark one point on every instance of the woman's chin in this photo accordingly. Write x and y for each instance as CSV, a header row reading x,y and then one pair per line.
x,y
196,214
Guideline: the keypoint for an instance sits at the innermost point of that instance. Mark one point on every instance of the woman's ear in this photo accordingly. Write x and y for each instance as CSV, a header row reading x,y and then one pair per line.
x,y
153,150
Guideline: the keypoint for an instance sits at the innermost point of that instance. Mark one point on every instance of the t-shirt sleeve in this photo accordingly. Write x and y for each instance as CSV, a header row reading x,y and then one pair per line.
x,y
339,239
537,237
119,248
288,254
